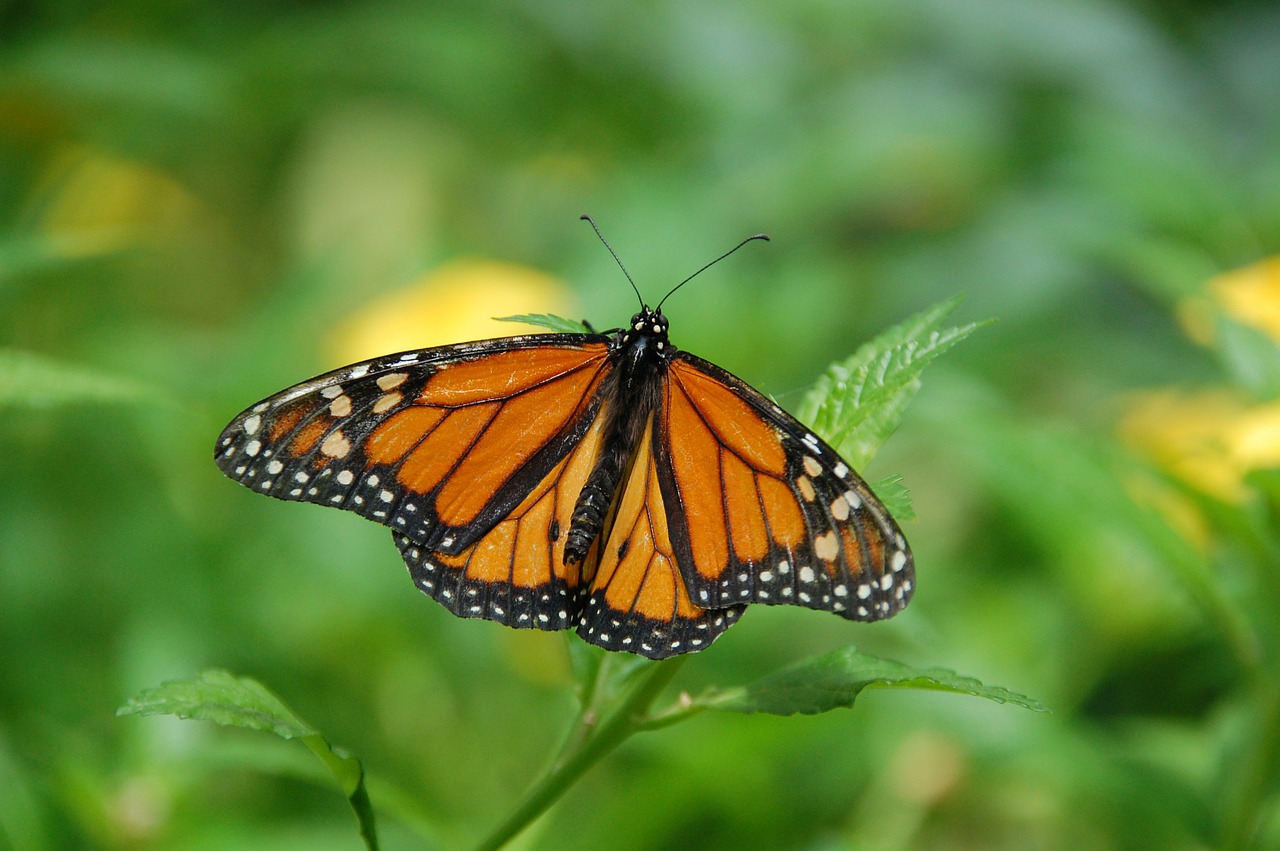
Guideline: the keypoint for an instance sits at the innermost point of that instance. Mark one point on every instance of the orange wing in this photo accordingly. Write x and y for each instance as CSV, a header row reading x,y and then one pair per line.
x,y
515,574
439,444
763,511
637,599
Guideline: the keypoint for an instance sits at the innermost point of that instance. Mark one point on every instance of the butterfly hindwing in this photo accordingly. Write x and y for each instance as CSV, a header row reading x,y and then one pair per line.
x,y
763,511
637,599
438,444
516,574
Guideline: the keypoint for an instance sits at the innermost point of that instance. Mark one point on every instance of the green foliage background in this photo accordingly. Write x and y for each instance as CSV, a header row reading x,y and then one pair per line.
x,y
1076,167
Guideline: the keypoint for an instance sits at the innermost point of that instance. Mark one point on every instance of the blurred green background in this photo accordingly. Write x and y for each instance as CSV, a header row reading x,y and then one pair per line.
x,y
203,203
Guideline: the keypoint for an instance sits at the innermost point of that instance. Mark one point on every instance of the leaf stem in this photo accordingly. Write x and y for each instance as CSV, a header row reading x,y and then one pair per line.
x,y
584,749
593,690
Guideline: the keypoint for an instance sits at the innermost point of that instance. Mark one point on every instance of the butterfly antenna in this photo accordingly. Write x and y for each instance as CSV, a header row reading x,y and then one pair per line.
x,y
595,228
763,236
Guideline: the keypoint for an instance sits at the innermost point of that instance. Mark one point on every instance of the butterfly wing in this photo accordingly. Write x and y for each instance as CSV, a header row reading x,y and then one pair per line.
x,y
515,574
439,444
637,599
763,511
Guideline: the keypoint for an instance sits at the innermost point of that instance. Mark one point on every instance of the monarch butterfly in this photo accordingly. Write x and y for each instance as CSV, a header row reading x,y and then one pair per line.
x,y
607,482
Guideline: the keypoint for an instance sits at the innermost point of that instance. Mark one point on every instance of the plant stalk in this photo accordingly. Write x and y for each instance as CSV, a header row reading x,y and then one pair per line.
x,y
627,718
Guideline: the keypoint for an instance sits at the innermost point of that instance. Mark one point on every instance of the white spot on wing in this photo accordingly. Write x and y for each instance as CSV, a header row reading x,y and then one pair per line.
x,y
827,546
392,380
806,489
335,445
340,407
386,402
840,509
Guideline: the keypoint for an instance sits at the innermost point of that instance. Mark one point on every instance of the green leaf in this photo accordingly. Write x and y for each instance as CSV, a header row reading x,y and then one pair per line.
x,y
859,402
223,698
32,381
895,496
834,680
549,320
232,701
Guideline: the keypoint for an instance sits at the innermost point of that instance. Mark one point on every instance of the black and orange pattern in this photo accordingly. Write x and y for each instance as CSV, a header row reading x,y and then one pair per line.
x,y
690,493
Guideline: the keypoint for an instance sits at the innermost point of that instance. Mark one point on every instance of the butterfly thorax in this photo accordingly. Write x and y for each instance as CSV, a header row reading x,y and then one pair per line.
x,y
640,352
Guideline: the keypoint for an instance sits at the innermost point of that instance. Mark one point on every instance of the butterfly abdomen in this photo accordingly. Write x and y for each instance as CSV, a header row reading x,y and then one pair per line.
x,y
592,505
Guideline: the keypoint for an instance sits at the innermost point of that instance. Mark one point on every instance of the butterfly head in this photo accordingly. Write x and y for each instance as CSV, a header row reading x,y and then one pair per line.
x,y
644,339
648,326
649,322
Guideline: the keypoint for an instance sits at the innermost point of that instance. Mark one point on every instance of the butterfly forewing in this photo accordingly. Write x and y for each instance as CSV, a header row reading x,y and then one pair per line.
x,y
766,512
438,444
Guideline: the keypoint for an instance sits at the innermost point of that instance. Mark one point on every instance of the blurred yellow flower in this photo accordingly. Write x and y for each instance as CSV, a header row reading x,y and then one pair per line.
x,y
91,202
455,303
1209,439
1249,296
